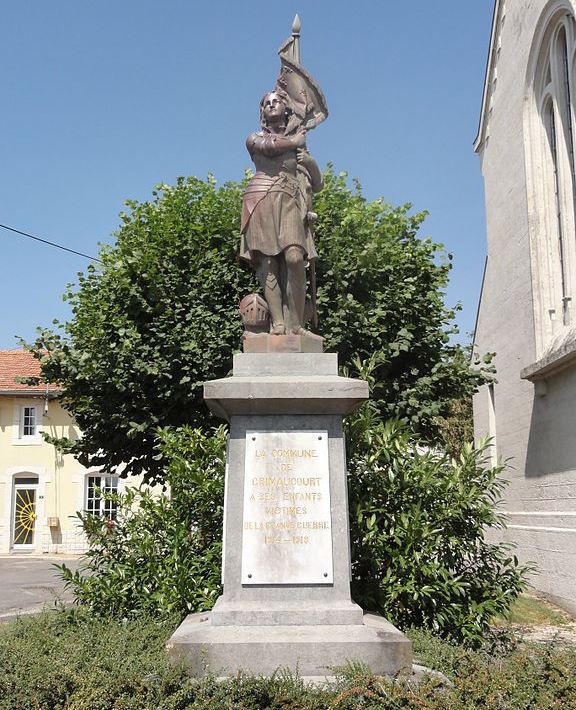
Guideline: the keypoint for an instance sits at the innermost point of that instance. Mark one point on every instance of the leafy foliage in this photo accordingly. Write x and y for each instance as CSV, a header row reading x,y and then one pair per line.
x,y
456,426
418,524
151,325
159,317
381,298
418,529
68,659
162,554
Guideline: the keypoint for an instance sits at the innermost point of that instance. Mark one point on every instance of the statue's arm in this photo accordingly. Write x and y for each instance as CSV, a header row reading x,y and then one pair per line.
x,y
271,144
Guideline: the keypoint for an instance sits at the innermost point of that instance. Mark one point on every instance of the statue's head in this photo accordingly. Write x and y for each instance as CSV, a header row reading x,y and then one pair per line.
x,y
274,104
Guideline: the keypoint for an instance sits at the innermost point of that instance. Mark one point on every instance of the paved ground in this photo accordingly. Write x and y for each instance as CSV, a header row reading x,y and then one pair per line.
x,y
28,584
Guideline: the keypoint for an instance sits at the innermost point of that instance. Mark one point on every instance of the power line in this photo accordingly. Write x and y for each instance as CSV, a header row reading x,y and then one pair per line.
x,y
52,244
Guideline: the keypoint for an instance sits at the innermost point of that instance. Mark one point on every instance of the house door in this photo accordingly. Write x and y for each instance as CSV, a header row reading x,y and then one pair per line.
x,y
24,520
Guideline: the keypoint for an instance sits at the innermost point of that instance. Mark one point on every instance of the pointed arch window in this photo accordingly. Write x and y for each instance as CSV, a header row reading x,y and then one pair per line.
x,y
552,175
549,119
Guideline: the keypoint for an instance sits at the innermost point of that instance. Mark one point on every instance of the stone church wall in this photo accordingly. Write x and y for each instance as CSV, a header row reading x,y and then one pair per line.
x,y
532,425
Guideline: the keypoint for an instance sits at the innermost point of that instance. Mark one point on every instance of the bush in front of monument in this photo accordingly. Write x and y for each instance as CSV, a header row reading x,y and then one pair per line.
x,y
69,659
162,554
419,521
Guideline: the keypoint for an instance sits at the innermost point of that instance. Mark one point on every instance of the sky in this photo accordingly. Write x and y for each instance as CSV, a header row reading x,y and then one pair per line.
x,y
101,101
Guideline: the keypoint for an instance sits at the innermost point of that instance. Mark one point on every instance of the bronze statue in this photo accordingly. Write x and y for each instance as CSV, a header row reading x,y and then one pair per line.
x,y
277,217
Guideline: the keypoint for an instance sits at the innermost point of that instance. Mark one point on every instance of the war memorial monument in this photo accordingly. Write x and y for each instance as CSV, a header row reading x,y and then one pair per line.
x,y
286,550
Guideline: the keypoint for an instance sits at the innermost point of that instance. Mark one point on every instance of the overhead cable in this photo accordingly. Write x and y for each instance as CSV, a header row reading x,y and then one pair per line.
x,y
52,244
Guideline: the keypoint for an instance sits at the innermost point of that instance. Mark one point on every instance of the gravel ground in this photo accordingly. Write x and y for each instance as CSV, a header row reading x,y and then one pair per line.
x,y
564,634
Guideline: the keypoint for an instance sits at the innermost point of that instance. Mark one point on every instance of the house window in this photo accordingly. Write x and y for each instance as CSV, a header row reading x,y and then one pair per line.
x,y
551,173
28,421
26,424
97,488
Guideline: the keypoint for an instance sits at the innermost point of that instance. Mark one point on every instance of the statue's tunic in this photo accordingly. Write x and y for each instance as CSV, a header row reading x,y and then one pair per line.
x,y
274,206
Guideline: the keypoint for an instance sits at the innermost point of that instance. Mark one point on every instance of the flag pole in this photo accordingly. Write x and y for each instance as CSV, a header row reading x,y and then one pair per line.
x,y
296,25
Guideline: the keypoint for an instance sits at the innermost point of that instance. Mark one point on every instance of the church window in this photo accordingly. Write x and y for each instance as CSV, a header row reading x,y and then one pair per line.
x,y
551,172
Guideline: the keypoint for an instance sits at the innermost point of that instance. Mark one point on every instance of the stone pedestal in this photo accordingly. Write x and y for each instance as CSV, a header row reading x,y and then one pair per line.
x,y
267,343
286,558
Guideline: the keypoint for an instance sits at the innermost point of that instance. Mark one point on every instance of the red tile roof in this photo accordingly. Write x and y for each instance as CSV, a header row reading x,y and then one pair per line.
x,y
20,363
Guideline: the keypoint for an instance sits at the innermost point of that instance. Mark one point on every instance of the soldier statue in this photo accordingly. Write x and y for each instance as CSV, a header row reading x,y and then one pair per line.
x,y
277,218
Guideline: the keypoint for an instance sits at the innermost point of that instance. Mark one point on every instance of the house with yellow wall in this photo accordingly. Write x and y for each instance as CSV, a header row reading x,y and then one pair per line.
x,y
40,488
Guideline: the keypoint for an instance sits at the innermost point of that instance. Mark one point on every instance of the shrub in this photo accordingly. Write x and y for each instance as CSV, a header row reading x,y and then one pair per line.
x,y
162,554
418,521
418,531
74,661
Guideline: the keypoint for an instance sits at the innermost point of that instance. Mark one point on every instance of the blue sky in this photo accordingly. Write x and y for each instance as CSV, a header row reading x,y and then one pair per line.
x,y
103,100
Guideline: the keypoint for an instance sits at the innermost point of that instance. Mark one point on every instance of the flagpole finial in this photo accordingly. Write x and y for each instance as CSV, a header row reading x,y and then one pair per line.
x,y
296,25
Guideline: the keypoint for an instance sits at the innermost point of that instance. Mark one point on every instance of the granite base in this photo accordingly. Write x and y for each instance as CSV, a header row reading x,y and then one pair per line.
x,y
309,651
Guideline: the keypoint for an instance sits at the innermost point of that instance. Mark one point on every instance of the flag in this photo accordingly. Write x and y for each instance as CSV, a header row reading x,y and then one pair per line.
x,y
305,97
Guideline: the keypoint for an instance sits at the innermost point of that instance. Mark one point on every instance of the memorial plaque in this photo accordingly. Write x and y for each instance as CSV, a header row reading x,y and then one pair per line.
x,y
287,529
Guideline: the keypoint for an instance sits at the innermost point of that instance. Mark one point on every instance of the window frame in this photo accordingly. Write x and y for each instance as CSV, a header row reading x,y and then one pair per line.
x,y
550,132
93,503
20,424
28,412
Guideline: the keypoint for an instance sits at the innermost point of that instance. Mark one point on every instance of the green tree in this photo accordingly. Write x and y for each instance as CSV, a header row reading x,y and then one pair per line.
x,y
382,301
456,426
150,325
159,317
